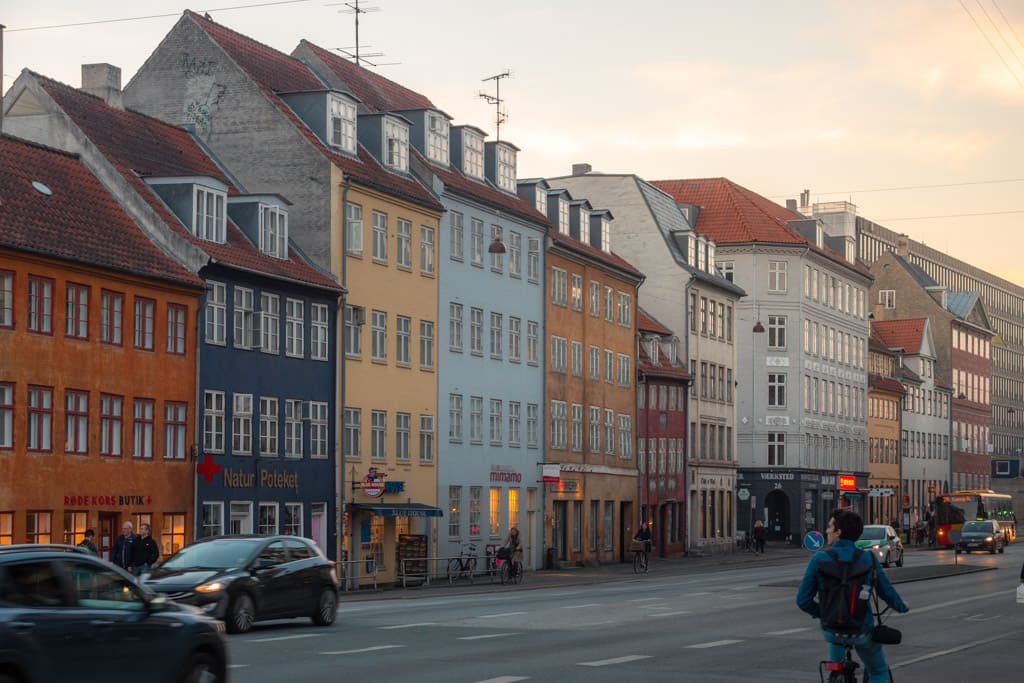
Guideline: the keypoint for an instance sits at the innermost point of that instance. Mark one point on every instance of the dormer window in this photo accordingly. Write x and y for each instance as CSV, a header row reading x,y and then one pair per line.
x,y
437,138
606,235
652,350
396,141
691,250
209,221
273,231
506,172
542,200
563,215
711,256
342,124
473,154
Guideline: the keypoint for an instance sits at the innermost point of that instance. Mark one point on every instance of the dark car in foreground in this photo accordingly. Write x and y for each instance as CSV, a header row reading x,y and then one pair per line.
x,y
245,579
882,540
981,535
66,615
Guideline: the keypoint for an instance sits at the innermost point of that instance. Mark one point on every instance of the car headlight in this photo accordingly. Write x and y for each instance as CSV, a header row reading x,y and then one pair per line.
x,y
211,587
875,546
989,539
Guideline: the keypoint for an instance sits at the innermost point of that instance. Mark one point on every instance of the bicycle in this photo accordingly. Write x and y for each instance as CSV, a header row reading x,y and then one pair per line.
x,y
845,671
511,572
640,560
464,564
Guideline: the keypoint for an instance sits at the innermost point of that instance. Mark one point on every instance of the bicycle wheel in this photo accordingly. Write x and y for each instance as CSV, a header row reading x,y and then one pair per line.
x,y
636,563
518,576
505,572
644,562
471,568
454,567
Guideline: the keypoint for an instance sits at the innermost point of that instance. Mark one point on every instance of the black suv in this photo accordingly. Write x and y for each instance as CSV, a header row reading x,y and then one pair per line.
x,y
66,615
244,579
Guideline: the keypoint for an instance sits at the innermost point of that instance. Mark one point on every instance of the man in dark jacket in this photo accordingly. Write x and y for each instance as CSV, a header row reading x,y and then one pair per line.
x,y
88,543
844,528
122,552
145,551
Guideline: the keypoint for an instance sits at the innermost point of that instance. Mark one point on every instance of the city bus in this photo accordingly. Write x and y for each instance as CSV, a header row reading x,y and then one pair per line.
x,y
953,509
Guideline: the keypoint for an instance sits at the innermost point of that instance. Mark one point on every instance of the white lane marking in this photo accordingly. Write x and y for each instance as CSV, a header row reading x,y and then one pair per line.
x,y
276,638
644,599
943,605
589,604
237,666
374,648
498,616
787,631
714,643
486,635
690,595
396,626
952,650
596,623
669,614
615,660
505,679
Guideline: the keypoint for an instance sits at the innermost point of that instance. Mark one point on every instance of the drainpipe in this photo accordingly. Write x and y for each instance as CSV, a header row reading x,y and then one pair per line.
x,y
198,428
339,454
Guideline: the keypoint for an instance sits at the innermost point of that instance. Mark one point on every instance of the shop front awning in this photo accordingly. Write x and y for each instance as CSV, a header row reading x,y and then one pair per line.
x,y
399,509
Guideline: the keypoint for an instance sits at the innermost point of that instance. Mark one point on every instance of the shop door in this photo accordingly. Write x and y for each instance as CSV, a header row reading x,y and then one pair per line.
x,y
108,530
558,531
777,505
316,525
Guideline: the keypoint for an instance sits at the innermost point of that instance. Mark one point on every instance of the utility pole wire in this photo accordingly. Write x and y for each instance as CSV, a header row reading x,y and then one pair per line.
x,y
992,45
1007,21
153,16
1000,32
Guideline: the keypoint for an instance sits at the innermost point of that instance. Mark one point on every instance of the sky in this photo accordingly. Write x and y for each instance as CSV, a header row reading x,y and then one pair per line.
x,y
911,110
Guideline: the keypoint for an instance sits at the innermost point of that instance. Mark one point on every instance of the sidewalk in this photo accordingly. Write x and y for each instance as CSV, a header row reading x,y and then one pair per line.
x,y
776,554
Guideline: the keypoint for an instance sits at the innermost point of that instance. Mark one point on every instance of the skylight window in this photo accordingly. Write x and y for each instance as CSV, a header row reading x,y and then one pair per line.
x,y
341,124
437,138
396,140
209,221
473,155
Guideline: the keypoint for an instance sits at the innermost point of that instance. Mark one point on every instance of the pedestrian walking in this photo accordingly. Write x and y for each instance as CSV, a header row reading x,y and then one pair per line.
x,y
122,552
88,543
759,535
145,552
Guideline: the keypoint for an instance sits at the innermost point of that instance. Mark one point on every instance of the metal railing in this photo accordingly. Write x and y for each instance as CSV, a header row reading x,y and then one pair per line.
x,y
428,569
354,572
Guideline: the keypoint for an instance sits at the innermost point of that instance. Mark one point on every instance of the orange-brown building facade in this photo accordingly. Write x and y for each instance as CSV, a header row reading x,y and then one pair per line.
x,y
97,362
590,405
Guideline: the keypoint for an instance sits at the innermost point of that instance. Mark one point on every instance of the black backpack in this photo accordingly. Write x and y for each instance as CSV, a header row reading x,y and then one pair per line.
x,y
841,603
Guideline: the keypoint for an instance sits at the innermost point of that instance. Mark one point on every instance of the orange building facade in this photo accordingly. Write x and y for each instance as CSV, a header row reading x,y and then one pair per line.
x,y
591,395
99,431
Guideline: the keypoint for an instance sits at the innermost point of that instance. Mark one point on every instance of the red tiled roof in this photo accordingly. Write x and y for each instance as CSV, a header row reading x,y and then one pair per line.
x,y
139,146
275,72
662,368
731,213
79,221
375,91
895,334
885,383
646,323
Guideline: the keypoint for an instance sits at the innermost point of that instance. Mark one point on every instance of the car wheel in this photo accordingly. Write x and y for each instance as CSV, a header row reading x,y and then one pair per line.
x,y
326,608
888,561
992,550
1002,548
202,668
241,614
899,562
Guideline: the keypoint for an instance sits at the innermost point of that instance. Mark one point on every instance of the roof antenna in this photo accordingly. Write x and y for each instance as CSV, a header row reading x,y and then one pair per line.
x,y
500,113
355,9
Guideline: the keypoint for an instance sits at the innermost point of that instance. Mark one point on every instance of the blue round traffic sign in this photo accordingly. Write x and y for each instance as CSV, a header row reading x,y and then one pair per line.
x,y
813,541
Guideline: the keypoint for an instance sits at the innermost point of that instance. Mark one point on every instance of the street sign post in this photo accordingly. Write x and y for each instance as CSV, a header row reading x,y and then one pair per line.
x,y
814,541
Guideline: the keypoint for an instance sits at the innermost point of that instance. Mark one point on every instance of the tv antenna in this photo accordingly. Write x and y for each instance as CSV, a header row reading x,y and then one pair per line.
x,y
355,53
500,112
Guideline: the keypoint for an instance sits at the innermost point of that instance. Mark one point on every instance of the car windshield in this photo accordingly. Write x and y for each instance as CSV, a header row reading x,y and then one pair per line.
x,y
221,554
978,526
873,533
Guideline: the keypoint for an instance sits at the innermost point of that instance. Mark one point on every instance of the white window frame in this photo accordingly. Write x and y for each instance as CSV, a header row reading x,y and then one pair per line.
x,y
515,339
778,275
319,332
274,231
353,228
455,418
505,174
215,313
476,234
319,430
295,329
380,236
532,425
403,243
241,424
457,236
497,333
396,145
476,419
532,330
269,417
472,154
533,259
403,428
455,327
437,138
341,124
426,345
515,252
209,218
495,419
293,445
426,250
379,336
403,331
378,434
242,316
270,323
213,421
426,438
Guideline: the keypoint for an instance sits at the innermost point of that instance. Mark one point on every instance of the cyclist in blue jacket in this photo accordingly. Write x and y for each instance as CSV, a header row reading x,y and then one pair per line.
x,y
844,528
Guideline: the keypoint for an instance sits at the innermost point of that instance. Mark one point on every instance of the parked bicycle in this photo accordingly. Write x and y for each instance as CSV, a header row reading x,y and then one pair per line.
x,y
464,565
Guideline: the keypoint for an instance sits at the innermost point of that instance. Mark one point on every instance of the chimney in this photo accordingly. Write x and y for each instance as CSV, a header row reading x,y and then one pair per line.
x,y
104,81
581,169
903,246
791,205
805,202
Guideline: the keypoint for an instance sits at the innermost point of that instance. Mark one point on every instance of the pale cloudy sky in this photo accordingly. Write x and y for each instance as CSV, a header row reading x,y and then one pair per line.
x,y
850,100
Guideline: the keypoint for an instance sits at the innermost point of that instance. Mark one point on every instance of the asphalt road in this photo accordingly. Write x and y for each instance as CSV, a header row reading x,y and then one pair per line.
x,y
723,623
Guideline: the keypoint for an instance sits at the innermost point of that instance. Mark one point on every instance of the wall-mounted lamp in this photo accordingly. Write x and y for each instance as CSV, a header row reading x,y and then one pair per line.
x,y
496,247
758,327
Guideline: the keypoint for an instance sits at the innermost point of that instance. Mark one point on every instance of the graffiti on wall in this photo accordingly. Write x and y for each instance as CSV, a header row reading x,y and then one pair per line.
x,y
203,94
